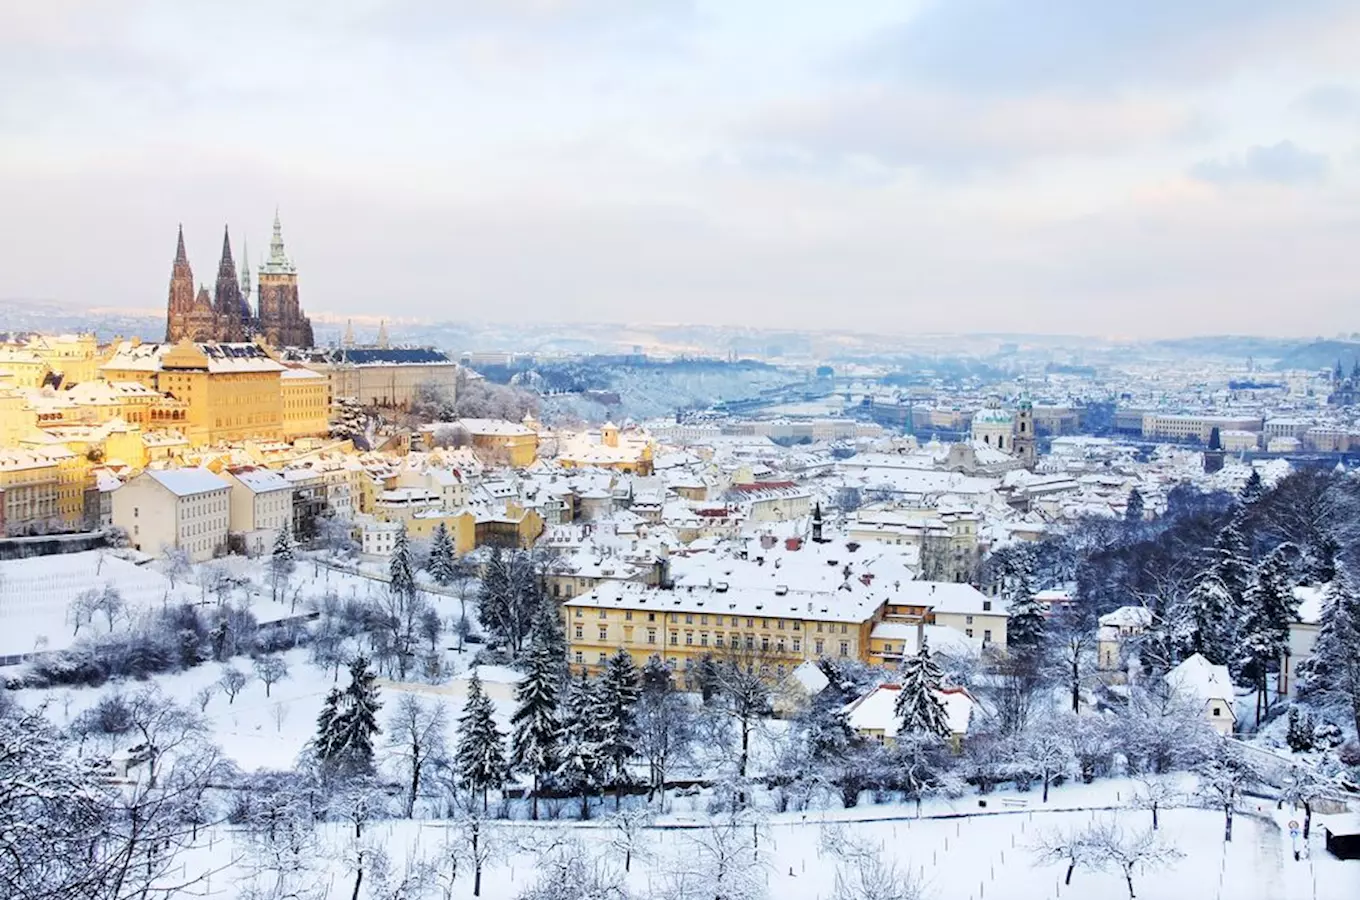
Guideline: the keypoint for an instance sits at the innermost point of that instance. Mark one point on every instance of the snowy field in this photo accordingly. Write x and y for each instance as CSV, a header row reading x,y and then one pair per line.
x,y
978,857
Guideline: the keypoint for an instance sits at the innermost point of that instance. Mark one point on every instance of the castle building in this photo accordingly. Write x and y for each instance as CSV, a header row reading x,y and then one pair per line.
x,y
228,317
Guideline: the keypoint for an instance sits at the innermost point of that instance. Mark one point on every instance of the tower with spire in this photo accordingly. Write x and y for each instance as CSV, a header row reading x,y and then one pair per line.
x,y
187,315
233,316
281,320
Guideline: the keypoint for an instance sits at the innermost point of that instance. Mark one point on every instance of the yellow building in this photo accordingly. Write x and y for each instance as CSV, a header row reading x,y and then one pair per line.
x,y
231,391
42,489
462,527
28,369
75,356
17,418
774,628
609,448
496,441
306,403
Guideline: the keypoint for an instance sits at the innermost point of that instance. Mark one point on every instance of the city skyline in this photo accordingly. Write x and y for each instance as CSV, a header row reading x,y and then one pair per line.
x,y
956,167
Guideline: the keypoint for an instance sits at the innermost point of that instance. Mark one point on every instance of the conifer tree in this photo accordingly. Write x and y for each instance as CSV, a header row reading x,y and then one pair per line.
x,y
480,756
282,560
401,571
442,556
619,689
1331,676
1270,606
1253,489
1027,629
1133,510
348,724
582,763
919,708
537,727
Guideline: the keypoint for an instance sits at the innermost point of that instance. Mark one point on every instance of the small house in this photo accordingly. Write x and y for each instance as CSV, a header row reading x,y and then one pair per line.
x,y
1343,835
874,715
1206,685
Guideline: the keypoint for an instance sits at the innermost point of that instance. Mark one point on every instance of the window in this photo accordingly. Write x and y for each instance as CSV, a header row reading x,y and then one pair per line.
x,y
765,644
651,635
603,658
578,614
689,639
819,647
750,642
779,646
750,623
845,648
1218,711
628,616
703,620
986,606
819,627
779,624
603,613
968,631
675,638
578,632
703,639
673,618
987,636
579,658
718,639
797,626
842,628
604,633
689,618
651,617
970,619
797,645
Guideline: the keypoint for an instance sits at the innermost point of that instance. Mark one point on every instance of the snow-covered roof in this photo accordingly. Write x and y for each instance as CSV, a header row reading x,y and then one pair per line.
x,y
260,480
877,710
188,481
1128,617
1199,679
769,603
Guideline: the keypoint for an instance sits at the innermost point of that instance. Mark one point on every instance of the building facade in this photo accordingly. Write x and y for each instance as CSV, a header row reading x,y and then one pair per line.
x,y
184,509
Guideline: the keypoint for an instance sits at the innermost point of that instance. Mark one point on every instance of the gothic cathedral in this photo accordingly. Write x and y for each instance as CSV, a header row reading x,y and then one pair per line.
x,y
228,315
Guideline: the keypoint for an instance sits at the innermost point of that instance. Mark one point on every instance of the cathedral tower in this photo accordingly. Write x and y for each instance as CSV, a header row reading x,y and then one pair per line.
x,y
187,315
281,320
233,316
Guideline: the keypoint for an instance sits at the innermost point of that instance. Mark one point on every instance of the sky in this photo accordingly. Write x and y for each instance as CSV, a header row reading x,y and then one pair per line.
x,y
1124,169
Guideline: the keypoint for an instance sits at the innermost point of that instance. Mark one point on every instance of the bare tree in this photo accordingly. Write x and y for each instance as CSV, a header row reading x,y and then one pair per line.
x,y
871,878
270,669
629,834
232,682
478,840
1222,779
1154,793
1110,847
417,732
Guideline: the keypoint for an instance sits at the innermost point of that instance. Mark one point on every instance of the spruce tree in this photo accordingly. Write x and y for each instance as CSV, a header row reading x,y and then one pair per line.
x,y
1264,631
400,570
348,723
1253,489
282,560
1027,629
537,727
1299,735
619,689
1133,510
442,556
1330,677
582,762
919,708
480,757
493,606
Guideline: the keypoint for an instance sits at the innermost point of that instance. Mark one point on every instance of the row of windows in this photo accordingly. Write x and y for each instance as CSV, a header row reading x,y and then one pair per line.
x,y
718,620
720,640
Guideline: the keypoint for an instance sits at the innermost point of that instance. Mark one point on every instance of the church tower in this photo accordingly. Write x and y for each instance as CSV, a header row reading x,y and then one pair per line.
x,y
281,320
181,301
1023,442
233,317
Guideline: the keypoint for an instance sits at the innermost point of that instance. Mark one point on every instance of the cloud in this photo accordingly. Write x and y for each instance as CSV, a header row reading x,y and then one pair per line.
x,y
1330,101
957,132
1005,45
1284,163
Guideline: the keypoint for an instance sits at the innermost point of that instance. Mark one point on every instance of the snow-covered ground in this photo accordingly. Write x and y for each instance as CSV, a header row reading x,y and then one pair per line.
x,y
976,857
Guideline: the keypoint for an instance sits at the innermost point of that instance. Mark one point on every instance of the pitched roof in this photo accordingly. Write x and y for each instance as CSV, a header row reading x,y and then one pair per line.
x,y
187,482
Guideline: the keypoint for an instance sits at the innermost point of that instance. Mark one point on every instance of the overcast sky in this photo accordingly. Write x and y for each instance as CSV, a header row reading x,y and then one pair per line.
x,y
1158,167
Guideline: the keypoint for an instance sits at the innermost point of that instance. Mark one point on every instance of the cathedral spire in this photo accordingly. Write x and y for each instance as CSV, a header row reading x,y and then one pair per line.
x,y
382,334
278,262
227,264
182,257
348,340
245,270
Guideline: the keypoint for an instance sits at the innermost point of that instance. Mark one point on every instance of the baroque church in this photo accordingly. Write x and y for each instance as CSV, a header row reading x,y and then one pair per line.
x,y
227,315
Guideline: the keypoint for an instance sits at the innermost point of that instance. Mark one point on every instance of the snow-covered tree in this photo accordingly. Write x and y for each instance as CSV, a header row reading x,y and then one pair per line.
x,y
918,707
1330,677
1252,489
480,756
666,729
442,556
1222,779
1133,509
1264,631
232,681
401,566
348,723
270,669
282,561
510,598
537,727
417,732
581,761
618,692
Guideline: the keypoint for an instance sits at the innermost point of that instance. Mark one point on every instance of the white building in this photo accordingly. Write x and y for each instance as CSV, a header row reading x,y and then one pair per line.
x,y
188,509
261,504
1201,682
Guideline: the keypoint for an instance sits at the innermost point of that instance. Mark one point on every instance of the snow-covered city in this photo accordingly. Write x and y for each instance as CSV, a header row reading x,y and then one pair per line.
x,y
595,450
